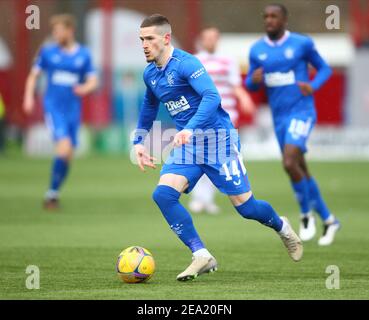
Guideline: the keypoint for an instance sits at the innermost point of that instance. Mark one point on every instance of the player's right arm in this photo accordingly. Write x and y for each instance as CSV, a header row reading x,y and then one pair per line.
x,y
149,111
29,92
255,75
31,82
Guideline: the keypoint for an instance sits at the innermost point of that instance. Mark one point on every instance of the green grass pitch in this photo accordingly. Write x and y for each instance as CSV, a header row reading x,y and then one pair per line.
x,y
107,207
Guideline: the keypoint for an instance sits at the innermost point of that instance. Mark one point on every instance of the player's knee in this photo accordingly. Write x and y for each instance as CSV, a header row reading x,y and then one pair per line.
x,y
249,209
158,197
165,195
64,149
240,199
289,163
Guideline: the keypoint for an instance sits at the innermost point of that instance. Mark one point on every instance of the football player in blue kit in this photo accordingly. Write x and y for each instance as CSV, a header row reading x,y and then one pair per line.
x,y
280,61
205,143
70,76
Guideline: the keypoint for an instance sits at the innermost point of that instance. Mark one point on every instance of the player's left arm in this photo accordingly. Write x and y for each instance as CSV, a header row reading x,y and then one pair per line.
x,y
198,78
88,86
323,69
246,104
91,80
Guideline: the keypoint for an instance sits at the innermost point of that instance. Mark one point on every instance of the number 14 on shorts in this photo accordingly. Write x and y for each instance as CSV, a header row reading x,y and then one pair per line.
x,y
232,171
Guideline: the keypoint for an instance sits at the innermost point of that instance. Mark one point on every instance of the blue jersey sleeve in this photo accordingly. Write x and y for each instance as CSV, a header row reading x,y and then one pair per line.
x,y
323,69
148,113
253,65
40,61
198,78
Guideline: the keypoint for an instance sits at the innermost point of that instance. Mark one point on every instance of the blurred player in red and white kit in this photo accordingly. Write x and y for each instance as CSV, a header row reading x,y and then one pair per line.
x,y
226,74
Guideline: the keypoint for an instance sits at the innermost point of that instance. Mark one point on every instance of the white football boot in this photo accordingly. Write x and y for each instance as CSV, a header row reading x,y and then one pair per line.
x,y
199,266
307,227
291,241
328,233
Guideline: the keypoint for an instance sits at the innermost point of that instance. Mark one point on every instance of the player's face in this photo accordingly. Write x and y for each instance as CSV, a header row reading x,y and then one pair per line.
x,y
274,21
153,43
209,40
62,34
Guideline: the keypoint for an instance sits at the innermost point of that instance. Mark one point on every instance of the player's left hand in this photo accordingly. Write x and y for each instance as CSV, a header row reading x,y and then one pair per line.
x,y
182,137
306,88
80,90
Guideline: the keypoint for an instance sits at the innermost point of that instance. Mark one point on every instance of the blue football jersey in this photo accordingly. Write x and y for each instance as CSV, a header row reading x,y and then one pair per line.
x,y
187,92
285,63
64,70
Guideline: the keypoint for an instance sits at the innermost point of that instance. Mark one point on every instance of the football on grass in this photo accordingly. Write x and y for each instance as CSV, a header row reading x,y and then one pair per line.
x,y
135,264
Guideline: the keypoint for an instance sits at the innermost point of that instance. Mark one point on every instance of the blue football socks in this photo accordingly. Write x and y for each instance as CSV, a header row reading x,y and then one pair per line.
x,y
316,200
301,189
58,173
177,216
261,211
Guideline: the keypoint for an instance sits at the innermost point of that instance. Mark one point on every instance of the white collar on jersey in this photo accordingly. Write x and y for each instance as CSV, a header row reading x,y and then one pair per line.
x,y
72,50
170,57
278,42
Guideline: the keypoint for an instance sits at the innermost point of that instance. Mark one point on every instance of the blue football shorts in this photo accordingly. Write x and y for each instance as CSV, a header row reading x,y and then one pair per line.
x,y
295,129
62,126
223,166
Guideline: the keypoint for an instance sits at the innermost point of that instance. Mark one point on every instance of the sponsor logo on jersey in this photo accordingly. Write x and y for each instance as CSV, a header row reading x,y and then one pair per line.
x,y
153,82
64,78
175,107
198,73
279,79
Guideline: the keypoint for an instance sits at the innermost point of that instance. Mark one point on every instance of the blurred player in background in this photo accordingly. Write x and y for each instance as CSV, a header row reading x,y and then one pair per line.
x,y
226,74
280,61
180,81
70,76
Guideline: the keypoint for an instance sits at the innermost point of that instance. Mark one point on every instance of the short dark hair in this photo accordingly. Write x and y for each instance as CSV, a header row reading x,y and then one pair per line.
x,y
154,20
281,7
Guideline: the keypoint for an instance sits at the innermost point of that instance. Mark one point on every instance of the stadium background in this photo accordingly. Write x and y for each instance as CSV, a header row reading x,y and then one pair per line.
x,y
109,28
107,202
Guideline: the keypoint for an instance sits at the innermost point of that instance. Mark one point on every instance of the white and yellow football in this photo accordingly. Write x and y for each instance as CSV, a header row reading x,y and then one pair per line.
x,y
135,264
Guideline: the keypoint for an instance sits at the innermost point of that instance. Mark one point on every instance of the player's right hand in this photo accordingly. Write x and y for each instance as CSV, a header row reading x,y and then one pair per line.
x,y
143,158
257,76
28,105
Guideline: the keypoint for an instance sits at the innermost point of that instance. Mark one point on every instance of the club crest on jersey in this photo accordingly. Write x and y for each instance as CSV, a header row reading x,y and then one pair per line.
x,y
170,78
262,56
288,53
